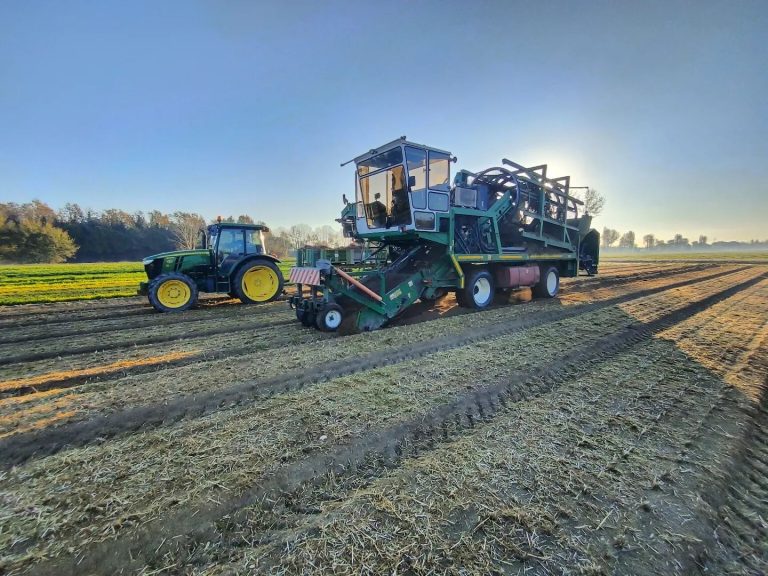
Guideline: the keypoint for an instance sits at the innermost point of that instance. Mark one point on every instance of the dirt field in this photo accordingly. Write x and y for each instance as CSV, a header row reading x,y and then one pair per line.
x,y
619,429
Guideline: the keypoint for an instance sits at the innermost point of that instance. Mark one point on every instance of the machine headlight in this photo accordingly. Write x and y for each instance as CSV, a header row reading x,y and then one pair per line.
x,y
147,261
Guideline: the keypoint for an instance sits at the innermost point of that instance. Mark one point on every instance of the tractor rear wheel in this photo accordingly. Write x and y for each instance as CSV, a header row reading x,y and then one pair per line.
x,y
549,283
478,290
258,281
329,318
172,292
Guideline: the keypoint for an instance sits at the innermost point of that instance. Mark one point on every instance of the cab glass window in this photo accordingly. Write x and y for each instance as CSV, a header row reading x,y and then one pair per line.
x,y
384,197
438,201
254,242
416,161
439,171
425,220
213,236
230,244
380,161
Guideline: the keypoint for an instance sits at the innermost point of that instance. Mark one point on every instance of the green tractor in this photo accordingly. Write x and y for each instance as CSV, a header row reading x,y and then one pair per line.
x,y
231,259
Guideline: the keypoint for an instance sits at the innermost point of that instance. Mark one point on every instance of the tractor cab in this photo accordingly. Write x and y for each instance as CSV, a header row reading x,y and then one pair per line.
x,y
229,243
400,187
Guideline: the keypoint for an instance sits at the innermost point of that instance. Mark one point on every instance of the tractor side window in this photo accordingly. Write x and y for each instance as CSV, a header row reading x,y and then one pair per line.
x,y
439,171
416,161
385,198
230,244
213,237
202,239
253,242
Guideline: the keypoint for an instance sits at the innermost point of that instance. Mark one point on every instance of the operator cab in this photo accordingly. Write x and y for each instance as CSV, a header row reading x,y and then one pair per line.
x,y
401,186
230,242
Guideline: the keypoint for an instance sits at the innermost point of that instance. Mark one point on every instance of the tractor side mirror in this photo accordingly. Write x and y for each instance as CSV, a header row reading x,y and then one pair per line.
x,y
344,198
411,181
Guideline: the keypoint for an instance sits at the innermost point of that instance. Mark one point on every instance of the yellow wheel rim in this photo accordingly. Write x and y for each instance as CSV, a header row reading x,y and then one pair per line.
x,y
260,283
173,293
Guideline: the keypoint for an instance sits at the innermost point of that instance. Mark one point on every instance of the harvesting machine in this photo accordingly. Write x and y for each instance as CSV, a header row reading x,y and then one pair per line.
x,y
488,232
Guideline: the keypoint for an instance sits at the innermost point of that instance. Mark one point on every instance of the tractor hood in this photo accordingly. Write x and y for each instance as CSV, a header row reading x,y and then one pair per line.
x,y
162,255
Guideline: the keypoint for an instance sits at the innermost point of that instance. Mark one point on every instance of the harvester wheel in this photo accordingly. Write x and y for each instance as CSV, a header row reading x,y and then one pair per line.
x,y
258,281
172,292
549,283
329,318
478,290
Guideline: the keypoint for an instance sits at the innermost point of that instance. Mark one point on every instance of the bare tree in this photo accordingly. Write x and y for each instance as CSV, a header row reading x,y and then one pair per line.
x,y
185,227
649,240
609,237
703,240
244,219
594,202
327,236
299,235
627,240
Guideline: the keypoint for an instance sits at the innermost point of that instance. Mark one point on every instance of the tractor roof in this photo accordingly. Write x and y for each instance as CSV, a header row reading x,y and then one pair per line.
x,y
236,225
395,143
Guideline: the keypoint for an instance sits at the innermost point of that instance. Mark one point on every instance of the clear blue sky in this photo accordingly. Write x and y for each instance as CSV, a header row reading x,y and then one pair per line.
x,y
229,107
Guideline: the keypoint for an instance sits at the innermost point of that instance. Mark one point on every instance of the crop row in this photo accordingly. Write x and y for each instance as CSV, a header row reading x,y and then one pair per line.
x,y
236,450
271,371
114,321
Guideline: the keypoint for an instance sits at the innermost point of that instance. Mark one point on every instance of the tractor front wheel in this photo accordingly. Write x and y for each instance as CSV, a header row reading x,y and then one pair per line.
x,y
478,290
329,318
258,281
172,292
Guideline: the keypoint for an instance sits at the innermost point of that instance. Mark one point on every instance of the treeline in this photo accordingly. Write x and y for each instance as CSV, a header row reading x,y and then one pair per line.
x,y
36,233
627,241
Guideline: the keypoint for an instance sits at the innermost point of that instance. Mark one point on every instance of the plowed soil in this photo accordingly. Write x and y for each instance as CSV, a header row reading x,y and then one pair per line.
x,y
621,428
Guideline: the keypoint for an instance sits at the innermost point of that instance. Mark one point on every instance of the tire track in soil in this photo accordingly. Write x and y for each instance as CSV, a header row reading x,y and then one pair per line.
x,y
94,313
67,382
16,449
724,418
741,530
373,454
145,314
148,320
42,311
600,281
158,339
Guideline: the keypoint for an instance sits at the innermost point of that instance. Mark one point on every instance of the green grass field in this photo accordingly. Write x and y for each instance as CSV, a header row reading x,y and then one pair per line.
x,y
35,283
